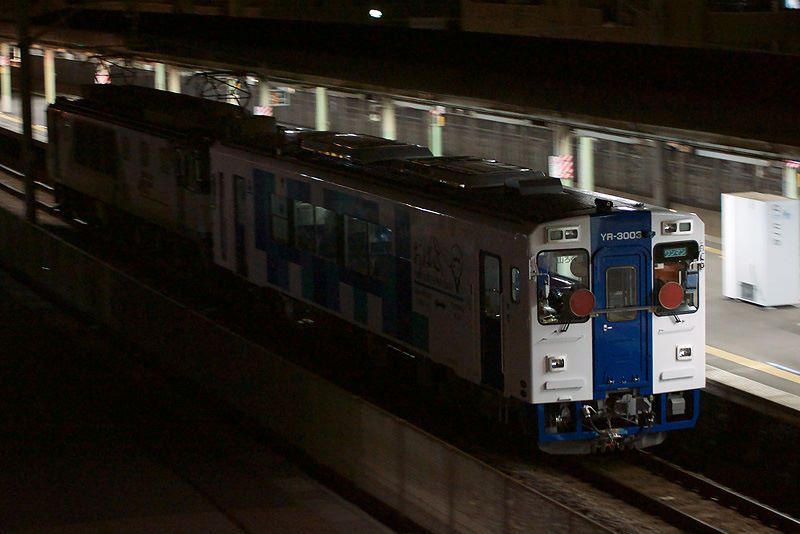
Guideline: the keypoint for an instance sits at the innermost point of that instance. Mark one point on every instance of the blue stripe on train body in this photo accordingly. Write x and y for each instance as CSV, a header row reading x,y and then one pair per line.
x,y
321,280
622,342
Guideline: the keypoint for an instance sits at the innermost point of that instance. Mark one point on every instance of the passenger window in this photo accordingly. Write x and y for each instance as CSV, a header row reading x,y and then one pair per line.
x,y
368,248
621,292
356,245
559,274
95,147
677,262
280,218
304,227
327,234
380,252
200,172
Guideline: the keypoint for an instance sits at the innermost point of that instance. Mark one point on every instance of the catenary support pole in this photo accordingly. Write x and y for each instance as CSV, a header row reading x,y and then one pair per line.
x,y
322,122
388,119
435,132
5,77
789,181
562,146
50,75
586,163
659,183
26,145
161,76
173,80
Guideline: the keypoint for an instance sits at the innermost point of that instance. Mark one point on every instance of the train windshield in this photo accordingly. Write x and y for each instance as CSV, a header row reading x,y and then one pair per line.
x,y
560,274
676,263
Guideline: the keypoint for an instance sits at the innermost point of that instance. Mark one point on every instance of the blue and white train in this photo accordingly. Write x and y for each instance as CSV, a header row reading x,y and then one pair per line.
x,y
585,309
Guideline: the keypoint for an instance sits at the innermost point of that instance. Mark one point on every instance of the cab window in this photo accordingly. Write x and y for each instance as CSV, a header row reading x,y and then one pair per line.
x,y
560,273
677,262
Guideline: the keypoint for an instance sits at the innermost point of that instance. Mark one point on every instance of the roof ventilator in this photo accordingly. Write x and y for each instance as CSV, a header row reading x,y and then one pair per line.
x,y
539,184
465,172
358,148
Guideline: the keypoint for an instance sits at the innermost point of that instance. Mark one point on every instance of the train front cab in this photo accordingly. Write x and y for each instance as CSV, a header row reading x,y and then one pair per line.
x,y
632,286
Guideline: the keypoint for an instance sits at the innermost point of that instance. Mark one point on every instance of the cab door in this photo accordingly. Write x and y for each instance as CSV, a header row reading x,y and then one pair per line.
x,y
491,321
622,344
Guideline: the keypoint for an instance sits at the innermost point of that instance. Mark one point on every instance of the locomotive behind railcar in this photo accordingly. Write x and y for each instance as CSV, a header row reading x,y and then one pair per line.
x,y
131,151
584,311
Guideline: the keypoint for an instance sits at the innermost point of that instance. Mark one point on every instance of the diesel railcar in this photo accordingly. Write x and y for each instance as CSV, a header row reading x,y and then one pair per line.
x,y
584,309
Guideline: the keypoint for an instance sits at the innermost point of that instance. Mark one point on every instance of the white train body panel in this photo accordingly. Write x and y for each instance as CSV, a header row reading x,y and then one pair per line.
x,y
143,182
679,341
491,299
442,253
573,381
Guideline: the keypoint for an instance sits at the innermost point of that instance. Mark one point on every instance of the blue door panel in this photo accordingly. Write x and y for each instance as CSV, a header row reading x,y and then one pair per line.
x,y
622,344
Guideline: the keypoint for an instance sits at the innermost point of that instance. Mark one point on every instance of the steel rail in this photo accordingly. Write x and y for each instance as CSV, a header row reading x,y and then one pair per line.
x,y
673,515
21,193
713,490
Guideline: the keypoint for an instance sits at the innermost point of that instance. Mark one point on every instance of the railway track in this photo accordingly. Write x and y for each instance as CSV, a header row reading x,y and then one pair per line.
x,y
11,181
686,500
681,499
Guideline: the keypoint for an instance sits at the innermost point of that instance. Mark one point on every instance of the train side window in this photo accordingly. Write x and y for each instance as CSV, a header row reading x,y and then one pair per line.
x,y
327,233
559,274
380,252
304,227
677,262
95,147
356,245
280,218
200,170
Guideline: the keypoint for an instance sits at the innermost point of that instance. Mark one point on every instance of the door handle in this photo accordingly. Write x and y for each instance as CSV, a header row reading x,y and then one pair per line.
x,y
606,328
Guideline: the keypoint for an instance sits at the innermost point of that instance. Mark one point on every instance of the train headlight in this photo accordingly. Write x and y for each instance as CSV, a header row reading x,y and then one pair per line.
x,y
676,227
683,352
566,233
556,363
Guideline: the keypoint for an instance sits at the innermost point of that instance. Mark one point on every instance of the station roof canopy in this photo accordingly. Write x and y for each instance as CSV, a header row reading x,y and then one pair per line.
x,y
735,99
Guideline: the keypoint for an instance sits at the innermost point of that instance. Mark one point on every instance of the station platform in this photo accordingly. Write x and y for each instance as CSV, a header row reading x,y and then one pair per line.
x,y
91,445
749,348
752,349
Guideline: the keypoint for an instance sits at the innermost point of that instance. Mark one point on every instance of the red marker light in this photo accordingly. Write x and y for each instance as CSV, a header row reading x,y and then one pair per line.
x,y
581,302
670,296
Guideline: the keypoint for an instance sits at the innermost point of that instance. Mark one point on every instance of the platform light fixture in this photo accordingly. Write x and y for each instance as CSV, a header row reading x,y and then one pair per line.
x,y
375,13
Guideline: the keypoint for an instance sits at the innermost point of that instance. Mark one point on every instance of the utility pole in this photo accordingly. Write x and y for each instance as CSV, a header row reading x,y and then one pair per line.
x,y
26,146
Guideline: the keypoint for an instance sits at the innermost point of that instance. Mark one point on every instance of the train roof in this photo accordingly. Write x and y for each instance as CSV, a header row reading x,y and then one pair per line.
x,y
495,189
513,194
359,148
492,188
153,109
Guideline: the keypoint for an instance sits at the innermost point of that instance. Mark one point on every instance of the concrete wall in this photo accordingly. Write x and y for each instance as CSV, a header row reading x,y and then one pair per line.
x,y
433,484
